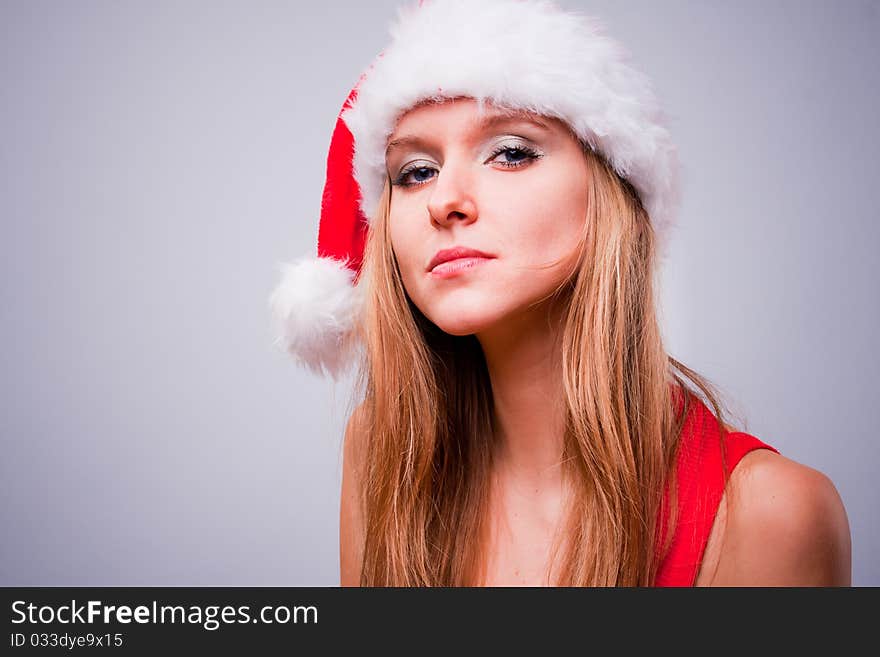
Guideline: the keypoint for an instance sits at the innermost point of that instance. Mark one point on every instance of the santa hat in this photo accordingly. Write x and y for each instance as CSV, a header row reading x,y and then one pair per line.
x,y
519,54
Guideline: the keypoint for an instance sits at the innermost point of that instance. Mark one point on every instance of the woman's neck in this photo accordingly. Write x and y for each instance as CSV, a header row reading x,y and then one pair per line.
x,y
523,359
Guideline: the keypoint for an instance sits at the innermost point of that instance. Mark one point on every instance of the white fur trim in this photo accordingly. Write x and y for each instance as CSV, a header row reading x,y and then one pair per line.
x,y
523,55
315,307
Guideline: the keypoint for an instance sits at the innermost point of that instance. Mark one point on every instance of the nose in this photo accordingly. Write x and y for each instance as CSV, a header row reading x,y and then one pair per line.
x,y
451,198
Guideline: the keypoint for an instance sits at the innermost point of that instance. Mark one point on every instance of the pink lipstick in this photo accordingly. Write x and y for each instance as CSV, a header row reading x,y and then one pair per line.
x,y
454,261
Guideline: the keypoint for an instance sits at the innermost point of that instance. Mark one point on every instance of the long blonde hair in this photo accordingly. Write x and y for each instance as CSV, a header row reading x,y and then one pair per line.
x,y
427,428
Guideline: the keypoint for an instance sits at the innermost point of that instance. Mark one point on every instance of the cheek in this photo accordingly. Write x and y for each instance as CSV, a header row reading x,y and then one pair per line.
x,y
548,226
405,241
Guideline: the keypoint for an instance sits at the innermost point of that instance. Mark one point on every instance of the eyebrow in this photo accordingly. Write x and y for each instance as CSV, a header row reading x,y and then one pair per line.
x,y
490,121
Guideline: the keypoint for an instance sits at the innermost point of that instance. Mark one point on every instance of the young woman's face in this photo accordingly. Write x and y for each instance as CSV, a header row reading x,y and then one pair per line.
x,y
499,185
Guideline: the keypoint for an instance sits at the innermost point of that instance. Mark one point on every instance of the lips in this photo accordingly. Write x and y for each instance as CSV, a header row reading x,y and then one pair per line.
x,y
455,253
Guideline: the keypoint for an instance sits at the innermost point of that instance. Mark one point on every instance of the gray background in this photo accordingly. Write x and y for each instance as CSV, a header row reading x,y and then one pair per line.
x,y
158,159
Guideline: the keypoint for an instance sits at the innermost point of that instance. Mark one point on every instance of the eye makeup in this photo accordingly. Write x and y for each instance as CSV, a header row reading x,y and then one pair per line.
x,y
518,154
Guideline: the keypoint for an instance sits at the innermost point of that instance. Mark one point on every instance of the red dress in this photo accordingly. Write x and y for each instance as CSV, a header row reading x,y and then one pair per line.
x,y
700,486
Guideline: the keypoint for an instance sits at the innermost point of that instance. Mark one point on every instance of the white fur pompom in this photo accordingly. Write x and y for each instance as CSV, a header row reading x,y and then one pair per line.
x,y
314,308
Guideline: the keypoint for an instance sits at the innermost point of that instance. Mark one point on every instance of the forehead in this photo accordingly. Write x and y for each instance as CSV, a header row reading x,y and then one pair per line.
x,y
463,106
464,115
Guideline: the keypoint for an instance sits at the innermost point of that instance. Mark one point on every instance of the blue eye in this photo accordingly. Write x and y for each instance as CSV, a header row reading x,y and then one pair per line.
x,y
417,171
517,156
520,155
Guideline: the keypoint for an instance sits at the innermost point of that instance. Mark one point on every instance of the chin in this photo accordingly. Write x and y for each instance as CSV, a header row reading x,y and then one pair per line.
x,y
460,323
457,330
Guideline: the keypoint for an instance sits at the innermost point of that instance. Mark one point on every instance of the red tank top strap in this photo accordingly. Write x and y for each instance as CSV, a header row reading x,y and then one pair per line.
x,y
700,469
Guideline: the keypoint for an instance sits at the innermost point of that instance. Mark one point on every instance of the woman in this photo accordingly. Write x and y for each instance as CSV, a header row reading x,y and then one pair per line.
x,y
500,190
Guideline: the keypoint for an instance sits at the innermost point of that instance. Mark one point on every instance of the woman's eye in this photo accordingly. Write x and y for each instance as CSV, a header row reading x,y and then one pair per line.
x,y
414,176
516,156
510,157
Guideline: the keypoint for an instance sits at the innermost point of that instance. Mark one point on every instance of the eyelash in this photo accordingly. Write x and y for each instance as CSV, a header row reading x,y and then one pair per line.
x,y
530,156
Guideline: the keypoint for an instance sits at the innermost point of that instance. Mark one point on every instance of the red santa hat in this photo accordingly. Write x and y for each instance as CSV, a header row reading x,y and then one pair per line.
x,y
518,54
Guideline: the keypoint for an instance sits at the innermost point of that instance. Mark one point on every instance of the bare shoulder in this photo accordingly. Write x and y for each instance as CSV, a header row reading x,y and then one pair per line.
x,y
784,524
353,442
351,524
